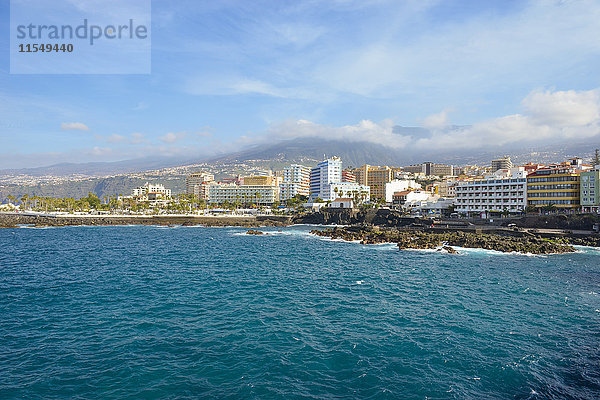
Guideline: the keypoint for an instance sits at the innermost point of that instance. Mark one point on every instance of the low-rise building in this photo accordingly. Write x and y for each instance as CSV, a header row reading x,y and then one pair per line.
x,y
342,202
503,191
410,198
398,185
434,206
446,188
150,192
336,190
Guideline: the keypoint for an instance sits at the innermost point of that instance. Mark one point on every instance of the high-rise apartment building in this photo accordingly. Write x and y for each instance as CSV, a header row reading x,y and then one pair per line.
x,y
326,182
375,178
326,172
296,181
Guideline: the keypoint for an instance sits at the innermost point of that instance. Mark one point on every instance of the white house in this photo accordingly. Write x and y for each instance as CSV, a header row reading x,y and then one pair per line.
x,y
342,202
399,185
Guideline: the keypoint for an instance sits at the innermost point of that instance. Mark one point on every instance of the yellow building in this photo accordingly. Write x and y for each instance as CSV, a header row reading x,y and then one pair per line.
x,y
259,180
374,177
557,186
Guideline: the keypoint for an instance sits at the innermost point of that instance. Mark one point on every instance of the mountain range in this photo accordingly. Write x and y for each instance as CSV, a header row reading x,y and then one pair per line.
x,y
310,150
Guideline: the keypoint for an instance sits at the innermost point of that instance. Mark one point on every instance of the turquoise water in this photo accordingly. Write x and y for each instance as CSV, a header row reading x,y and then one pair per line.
x,y
151,312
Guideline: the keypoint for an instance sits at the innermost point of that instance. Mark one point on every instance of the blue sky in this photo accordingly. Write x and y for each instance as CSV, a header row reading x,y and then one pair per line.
x,y
226,74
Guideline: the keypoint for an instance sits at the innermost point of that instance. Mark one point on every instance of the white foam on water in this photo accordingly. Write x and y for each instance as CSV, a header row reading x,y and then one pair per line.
x,y
587,249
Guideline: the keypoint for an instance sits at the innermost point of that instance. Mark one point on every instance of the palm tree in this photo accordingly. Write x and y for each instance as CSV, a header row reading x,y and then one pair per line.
x,y
24,200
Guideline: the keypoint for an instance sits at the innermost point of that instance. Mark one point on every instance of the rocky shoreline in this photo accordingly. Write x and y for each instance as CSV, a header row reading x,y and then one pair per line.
x,y
14,220
415,239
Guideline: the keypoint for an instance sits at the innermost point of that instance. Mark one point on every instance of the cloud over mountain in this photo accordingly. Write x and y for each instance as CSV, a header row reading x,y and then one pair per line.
x,y
547,115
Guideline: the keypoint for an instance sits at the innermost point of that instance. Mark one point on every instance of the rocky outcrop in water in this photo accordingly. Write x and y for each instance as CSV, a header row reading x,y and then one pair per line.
x,y
428,240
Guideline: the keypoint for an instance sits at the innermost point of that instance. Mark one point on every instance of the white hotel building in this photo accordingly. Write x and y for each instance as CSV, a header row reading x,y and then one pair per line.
x,y
505,190
296,181
257,194
326,182
150,192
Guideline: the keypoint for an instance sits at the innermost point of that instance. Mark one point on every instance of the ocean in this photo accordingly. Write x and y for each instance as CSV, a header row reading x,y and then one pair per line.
x,y
193,312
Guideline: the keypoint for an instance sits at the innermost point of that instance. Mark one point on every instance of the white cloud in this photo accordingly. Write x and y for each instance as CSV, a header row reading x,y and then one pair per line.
x,y
115,138
547,116
137,138
436,121
74,126
172,137
566,108
100,151
364,131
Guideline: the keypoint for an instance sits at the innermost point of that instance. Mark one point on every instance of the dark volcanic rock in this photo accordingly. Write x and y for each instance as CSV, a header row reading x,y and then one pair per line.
x,y
381,217
427,240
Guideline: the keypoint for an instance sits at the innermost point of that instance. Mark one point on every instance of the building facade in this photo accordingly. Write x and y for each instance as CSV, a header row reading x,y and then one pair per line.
x,y
150,192
348,176
501,163
554,186
259,180
257,194
375,178
495,193
396,186
446,188
590,190
296,181
326,182
326,172
195,184
430,168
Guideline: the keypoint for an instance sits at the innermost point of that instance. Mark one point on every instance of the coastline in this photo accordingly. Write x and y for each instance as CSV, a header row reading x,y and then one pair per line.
x,y
424,239
14,220
410,234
